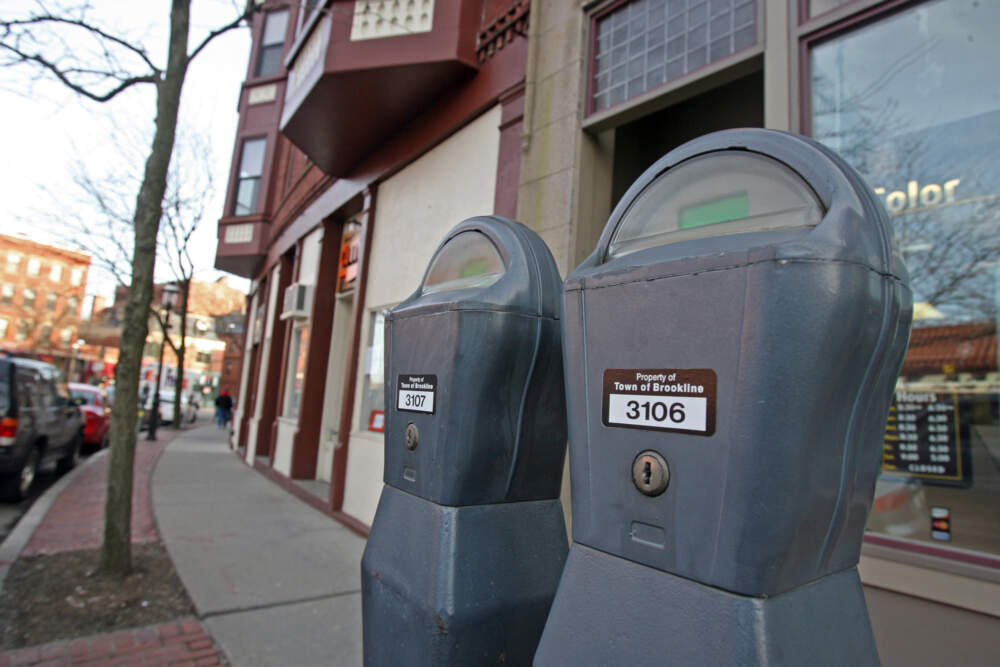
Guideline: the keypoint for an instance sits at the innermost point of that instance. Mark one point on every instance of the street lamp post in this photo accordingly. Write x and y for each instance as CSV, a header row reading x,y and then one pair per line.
x,y
77,344
169,294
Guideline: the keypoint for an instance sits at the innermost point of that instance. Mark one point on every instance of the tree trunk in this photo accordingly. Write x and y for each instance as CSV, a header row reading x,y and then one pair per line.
x,y
116,549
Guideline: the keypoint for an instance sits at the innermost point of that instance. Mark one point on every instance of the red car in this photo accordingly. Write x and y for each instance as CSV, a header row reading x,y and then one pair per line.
x,y
96,410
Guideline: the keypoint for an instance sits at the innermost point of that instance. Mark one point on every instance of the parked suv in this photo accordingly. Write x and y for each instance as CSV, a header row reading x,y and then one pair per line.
x,y
39,424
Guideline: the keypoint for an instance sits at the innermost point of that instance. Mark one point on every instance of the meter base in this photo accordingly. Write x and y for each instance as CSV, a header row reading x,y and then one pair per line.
x,y
459,585
614,611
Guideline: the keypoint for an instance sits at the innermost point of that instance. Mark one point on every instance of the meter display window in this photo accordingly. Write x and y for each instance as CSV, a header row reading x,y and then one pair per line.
x,y
700,198
468,260
907,102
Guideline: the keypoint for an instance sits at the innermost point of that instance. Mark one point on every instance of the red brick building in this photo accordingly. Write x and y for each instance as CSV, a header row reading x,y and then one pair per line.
x,y
42,290
214,332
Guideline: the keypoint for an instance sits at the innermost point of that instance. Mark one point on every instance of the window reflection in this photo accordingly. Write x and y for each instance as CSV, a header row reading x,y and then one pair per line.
x,y
910,103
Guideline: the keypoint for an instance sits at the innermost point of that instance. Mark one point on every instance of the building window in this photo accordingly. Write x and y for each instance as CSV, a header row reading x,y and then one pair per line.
x,y
373,387
55,273
46,336
272,43
72,304
906,100
646,43
4,323
29,298
76,277
50,302
22,332
66,335
34,266
248,179
203,357
298,352
13,262
7,294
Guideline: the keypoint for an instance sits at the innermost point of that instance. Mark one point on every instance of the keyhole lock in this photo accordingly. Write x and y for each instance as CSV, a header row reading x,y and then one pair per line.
x,y
650,473
412,436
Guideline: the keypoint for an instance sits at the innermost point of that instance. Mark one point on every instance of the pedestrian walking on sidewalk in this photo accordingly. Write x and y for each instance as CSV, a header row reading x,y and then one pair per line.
x,y
223,408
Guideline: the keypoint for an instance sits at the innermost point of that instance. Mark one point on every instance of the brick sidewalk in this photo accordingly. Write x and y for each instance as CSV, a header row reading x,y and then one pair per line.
x,y
182,642
76,519
75,522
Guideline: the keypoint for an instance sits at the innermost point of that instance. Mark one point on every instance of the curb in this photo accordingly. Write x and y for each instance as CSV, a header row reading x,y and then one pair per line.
x,y
25,528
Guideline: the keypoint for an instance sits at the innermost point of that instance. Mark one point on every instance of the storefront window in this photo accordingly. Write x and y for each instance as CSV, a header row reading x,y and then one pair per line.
x,y
911,102
297,354
373,394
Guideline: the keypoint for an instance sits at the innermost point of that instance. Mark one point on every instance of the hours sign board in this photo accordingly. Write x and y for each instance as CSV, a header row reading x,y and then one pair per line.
x,y
671,399
924,439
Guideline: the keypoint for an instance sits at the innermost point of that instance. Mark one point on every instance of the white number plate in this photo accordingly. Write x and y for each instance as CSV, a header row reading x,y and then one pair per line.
x,y
680,412
419,401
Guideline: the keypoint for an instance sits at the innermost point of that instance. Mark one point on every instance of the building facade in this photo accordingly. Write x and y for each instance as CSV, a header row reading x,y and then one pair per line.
x,y
213,342
42,291
374,133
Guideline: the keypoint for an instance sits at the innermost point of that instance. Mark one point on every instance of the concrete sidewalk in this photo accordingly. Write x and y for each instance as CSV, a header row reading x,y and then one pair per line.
x,y
274,581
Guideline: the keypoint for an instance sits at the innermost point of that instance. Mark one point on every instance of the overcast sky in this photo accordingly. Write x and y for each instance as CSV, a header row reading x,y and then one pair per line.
x,y
46,127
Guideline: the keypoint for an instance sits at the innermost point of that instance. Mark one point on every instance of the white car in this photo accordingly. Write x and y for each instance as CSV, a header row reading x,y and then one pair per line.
x,y
166,407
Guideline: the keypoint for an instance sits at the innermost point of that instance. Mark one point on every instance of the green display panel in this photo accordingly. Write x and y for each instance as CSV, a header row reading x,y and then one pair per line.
x,y
723,209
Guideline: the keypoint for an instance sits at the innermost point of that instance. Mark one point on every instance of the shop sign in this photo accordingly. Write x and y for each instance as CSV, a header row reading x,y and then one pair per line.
x,y
350,252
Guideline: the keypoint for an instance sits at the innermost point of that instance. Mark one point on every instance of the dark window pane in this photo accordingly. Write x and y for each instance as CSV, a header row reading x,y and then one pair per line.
x,y
269,60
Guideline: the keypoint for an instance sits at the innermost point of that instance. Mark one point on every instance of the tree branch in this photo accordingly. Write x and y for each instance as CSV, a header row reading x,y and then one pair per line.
x,y
249,10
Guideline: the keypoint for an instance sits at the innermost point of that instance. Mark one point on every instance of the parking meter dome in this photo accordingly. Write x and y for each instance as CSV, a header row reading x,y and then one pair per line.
x,y
744,316
474,394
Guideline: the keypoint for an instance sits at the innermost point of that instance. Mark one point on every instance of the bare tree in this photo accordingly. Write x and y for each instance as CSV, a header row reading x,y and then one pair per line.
x,y
94,217
192,189
46,40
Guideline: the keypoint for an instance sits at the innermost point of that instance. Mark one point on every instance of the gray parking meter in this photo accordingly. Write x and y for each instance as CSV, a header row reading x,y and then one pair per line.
x,y
468,541
731,349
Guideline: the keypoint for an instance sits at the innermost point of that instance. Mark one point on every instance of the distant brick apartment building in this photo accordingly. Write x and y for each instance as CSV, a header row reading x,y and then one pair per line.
x,y
214,326
42,291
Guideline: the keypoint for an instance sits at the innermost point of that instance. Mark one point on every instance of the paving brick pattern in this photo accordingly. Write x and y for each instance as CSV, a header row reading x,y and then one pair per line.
x,y
183,642
76,519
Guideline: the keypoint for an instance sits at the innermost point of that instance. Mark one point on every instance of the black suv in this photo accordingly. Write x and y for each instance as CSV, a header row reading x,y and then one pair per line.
x,y
39,423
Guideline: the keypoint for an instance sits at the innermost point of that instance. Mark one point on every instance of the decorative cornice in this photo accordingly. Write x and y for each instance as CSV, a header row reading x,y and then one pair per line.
x,y
502,31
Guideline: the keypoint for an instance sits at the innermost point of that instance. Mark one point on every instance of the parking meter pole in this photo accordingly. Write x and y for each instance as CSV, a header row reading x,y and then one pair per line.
x,y
468,541
731,349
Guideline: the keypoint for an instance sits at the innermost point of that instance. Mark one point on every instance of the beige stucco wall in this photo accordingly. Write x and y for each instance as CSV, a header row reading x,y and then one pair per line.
x,y
413,211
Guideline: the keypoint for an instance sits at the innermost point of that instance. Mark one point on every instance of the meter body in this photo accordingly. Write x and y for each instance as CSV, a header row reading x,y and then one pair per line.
x,y
468,541
731,349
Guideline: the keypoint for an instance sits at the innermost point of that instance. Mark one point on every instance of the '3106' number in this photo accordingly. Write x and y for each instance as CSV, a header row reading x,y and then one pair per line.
x,y
656,411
